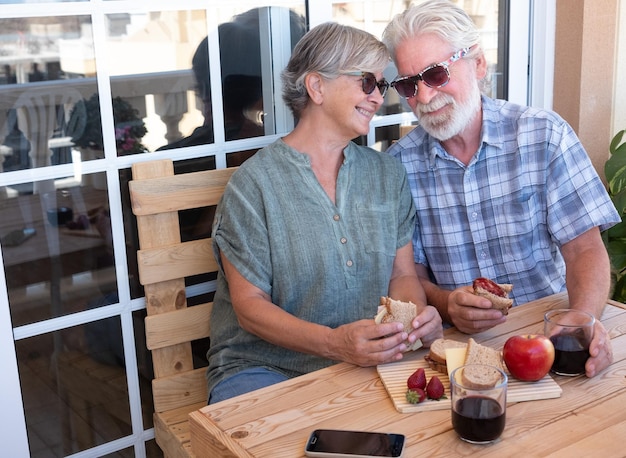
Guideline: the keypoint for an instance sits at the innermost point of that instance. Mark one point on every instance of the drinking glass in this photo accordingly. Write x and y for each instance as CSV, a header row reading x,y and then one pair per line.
x,y
571,332
58,206
478,411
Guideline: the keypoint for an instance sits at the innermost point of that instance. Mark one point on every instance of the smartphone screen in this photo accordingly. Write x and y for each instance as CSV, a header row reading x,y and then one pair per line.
x,y
329,442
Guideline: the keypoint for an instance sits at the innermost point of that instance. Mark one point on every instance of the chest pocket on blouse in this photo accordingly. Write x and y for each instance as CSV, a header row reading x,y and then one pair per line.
x,y
379,229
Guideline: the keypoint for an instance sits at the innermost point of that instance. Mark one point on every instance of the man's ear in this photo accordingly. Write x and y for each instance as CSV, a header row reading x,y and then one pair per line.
x,y
314,84
481,66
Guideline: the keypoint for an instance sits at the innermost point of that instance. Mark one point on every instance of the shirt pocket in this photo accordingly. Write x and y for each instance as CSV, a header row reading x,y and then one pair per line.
x,y
520,226
379,228
514,214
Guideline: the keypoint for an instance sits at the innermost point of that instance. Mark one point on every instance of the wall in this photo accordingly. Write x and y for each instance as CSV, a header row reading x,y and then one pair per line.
x,y
585,61
619,113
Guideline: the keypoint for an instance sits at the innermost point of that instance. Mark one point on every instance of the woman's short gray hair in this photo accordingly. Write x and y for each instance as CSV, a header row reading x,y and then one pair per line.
x,y
330,49
439,17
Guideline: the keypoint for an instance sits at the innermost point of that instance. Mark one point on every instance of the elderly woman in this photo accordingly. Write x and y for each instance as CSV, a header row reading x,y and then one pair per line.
x,y
313,229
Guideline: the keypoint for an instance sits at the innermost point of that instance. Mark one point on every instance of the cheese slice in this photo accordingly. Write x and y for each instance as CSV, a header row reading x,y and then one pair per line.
x,y
455,357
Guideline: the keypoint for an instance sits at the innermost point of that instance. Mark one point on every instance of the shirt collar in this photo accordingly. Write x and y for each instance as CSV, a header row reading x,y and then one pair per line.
x,y
296,157
491,131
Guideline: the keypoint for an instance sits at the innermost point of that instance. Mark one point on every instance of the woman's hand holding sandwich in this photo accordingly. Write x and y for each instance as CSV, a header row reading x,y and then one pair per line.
x,y
362,342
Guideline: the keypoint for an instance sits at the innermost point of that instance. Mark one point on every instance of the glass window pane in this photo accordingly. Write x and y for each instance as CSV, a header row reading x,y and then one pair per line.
x,y
250,56
74,388
159,93
57,248
153,450
173,94
39,88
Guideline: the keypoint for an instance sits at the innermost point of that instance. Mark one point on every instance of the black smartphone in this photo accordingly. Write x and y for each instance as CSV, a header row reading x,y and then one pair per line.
x,y
17,237
354,444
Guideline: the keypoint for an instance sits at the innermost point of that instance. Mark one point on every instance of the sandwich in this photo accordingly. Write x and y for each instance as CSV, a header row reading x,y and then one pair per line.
x,y
481,377
437,356
391,311
497,293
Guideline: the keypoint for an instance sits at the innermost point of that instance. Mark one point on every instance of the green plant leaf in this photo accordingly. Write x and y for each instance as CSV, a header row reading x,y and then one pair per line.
x,y
619,291
616,141
615,165
617,181
616,232
620,150
617,254
615,237
619,198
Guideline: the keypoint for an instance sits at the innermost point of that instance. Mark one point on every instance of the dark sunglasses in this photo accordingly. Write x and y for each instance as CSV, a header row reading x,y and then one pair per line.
x,y
437,75
369,83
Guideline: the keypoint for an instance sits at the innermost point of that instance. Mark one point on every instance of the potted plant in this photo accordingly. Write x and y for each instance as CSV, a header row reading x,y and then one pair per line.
x,y
615,237
85,126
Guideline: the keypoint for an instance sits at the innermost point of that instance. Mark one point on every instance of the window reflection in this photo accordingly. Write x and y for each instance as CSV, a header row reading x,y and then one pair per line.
x,y
242,41
66,264
38,87
159,89
85,128
243,94
51,112
74,388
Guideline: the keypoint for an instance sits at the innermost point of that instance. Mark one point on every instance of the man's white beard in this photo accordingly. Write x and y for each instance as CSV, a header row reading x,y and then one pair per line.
x,y
445,126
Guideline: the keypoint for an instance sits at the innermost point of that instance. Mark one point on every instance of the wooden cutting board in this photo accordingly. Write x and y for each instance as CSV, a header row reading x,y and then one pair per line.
x,y
394,376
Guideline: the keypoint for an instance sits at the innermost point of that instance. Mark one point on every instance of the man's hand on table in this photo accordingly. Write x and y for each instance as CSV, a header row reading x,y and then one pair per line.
x,y
600,350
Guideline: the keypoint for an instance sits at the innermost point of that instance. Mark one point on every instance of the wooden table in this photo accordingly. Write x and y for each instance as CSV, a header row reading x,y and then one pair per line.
x,y
588,419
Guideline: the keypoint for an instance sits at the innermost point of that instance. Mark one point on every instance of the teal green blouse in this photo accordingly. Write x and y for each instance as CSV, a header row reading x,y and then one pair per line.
x,y
322,262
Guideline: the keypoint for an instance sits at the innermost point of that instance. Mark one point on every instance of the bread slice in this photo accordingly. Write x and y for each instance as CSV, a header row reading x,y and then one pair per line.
x,y
392,311
436,357
502,303
481,378
507,287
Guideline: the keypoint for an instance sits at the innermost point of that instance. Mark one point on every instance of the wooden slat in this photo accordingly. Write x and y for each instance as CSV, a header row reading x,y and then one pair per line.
x,y
217,443
157,195
180,390
172,430
175,261
156,231
183,191
188,324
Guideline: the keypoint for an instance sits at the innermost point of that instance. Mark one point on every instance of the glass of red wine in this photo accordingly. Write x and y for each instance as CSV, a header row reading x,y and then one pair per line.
x,y
58,206
571,332
478,398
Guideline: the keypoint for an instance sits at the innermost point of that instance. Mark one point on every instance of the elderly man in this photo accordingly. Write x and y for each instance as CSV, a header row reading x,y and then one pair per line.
x,y
502,191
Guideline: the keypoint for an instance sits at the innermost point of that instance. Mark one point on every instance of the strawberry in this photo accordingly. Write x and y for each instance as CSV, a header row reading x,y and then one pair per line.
x,y
417,380
434,389
415,396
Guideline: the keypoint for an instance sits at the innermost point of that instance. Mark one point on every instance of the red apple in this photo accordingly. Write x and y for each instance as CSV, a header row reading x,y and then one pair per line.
x,y
528,357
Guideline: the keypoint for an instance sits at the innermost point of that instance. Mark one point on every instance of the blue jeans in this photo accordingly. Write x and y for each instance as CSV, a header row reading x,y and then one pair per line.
x,y
244,382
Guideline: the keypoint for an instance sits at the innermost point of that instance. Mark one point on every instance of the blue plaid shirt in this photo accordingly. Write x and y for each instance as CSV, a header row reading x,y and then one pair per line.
x,y
528,190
